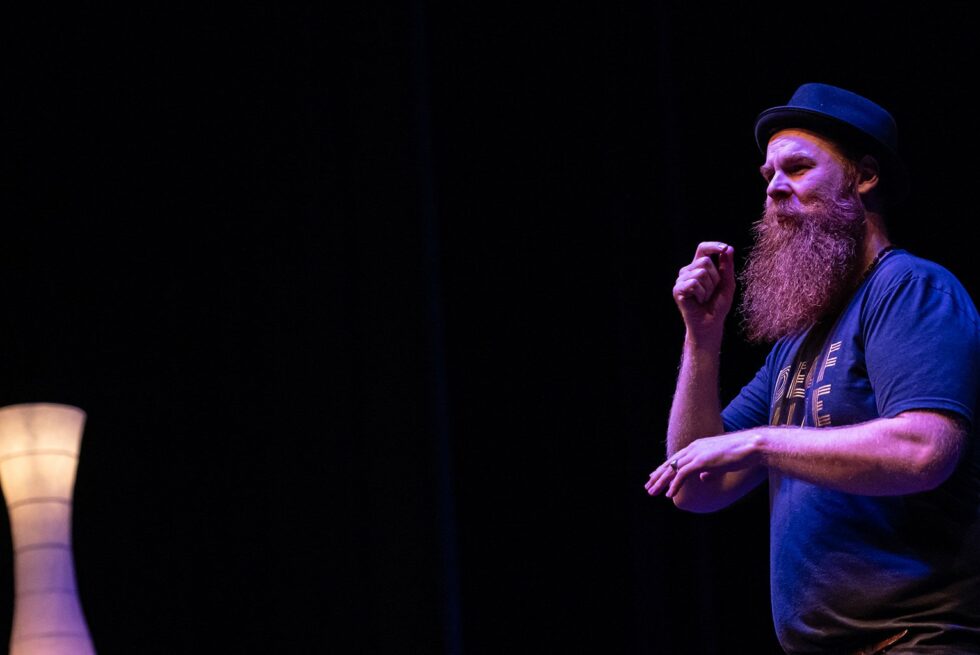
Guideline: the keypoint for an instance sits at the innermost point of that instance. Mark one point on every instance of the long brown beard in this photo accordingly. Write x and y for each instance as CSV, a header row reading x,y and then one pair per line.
x,y
804,265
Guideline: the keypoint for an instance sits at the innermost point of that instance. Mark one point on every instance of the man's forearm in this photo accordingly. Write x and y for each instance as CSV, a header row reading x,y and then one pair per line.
x,y
913,452
910,453
695,411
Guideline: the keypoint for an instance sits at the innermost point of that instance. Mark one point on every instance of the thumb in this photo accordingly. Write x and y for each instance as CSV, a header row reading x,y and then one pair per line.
x,y
726,265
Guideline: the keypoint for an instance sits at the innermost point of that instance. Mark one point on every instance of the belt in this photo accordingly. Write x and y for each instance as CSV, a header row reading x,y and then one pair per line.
x,y
882,645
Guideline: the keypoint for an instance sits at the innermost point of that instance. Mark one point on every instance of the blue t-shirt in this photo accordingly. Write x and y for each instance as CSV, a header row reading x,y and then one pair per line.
x,y
847,569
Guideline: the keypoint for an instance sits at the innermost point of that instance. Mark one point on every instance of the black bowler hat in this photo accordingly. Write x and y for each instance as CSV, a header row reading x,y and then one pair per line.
x,y
847,118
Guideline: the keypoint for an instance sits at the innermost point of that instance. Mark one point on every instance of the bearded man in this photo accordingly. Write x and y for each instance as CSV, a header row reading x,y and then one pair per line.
x,y
861,418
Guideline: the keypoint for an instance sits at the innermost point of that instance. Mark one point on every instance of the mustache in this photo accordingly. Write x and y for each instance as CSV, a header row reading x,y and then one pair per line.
x,y
832,210
783,209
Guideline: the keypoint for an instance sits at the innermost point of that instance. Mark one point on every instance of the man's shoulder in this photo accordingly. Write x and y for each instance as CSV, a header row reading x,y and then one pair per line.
x,y
903,266
903,274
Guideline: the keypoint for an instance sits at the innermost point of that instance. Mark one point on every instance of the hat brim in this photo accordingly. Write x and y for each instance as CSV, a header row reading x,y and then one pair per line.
x,y
895,177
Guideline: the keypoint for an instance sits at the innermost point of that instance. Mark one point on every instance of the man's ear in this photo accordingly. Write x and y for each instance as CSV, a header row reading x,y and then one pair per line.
x,y
868,170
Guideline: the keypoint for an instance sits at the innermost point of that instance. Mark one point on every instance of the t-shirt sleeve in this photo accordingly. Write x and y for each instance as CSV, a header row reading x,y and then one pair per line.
x,y
923,347
750,408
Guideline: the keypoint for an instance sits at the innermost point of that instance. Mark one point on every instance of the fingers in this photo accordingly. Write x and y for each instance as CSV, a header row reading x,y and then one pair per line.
x,y
670,478
684,470
709,248
713,264
696,280
667,477
726,265
688,286
662,476
659,479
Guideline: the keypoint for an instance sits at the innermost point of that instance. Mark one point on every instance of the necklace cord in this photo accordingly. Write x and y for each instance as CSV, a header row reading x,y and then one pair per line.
x,y
874,262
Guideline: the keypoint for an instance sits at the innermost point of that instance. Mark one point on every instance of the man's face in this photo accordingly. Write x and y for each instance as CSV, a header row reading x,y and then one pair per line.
x,y
809,241
800,167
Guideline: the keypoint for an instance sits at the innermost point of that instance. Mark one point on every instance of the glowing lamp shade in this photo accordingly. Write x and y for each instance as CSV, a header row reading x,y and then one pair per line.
x,y
39,446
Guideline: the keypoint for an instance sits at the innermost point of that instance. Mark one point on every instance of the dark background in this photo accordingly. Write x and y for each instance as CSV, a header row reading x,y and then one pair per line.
x,y
370,308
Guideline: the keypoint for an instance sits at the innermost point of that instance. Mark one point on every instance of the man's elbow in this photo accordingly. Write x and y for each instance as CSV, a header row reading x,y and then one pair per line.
x,y
698,503
937,459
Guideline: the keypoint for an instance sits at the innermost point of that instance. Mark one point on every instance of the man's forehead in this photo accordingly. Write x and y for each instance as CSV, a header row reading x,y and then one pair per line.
x,y
797,140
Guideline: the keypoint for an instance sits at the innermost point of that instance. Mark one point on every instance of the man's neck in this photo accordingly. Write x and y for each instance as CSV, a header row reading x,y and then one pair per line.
x,y
875,239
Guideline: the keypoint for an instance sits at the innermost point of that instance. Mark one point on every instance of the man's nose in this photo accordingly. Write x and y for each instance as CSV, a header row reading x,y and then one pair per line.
x,y
779,187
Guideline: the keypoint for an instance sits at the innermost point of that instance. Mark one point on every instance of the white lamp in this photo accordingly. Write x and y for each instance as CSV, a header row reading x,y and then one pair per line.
x,y
39,446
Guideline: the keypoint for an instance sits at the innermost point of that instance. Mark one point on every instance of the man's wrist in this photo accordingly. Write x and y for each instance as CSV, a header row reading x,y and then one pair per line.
x,y
702,344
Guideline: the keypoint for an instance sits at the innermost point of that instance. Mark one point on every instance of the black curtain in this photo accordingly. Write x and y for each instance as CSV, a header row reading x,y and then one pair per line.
x,y
369,308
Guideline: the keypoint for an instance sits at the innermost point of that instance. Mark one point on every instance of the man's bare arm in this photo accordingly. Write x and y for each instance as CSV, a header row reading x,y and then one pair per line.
x,y
912,452
696,413
703,293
